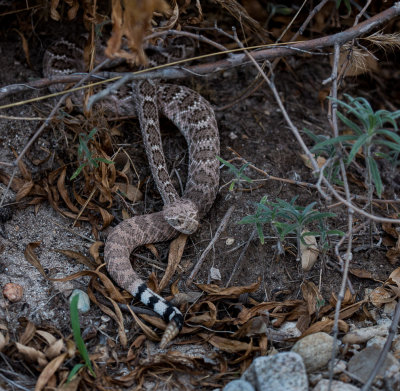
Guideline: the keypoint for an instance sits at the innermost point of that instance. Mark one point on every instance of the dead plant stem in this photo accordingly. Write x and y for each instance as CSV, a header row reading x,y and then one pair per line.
x,y
221,228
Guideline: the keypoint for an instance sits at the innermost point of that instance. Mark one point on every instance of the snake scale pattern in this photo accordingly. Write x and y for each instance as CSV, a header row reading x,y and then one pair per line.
x,y
195,119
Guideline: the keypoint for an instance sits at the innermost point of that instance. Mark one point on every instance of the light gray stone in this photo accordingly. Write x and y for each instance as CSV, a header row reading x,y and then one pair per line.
x,y
336,386
315,349
238,385
83,301
377,340
362,363
392,379
280,372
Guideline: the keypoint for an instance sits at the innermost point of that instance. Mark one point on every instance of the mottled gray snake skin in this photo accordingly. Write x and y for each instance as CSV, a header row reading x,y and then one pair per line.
x,y
195,119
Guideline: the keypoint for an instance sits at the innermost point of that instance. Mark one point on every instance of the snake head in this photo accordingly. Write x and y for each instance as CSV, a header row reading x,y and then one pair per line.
x,y
183,215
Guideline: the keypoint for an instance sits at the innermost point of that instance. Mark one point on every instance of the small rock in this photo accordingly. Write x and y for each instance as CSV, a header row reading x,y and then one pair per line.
x,y
13,292
229,241
238,385
377,340
339,367
362,363
323,385
280,372
392,378
233,136
215,274
363,335
83,301
290,330
314,378
315,349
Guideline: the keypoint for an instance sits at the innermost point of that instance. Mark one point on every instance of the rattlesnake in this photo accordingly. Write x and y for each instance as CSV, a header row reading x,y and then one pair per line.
x,y
195,119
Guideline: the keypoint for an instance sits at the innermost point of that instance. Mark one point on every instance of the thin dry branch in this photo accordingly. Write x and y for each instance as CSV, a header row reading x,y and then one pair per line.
x,y
350,212
169,72
221,228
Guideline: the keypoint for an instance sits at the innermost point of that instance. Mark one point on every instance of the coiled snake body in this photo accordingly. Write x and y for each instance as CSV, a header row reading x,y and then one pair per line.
x,y
195,119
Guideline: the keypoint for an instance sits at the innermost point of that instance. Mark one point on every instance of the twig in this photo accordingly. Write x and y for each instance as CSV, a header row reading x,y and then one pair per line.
x,y
197,37
308,185
385,349
350,212
281,50
315,10
242,253
218,233
12,118
361,13
291,22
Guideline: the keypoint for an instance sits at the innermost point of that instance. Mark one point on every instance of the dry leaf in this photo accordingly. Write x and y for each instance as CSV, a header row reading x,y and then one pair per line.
x,y
24,190
146,329
31,257
49,371
326,326
78,257
226,344
49,338
207,318
132,193
350,310
94,252
73,10
309,251
31,354
53,11
132,21
361,273
25,47
255,326
380,296
393,254
320,161
174,257
106,216
312,296
55,349
234,291
63,191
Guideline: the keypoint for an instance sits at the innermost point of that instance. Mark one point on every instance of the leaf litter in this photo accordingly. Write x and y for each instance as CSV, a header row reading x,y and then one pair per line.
x,y
216,319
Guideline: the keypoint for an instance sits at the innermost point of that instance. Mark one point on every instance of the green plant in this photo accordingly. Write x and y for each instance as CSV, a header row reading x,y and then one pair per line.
x,y
368,131
287,218
84,153
328,151
346,3
237,172
76,330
